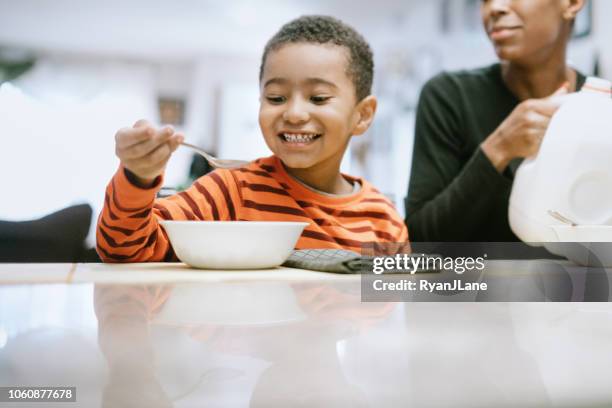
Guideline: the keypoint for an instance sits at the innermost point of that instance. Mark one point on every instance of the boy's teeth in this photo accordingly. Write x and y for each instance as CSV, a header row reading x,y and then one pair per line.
x,y
298,138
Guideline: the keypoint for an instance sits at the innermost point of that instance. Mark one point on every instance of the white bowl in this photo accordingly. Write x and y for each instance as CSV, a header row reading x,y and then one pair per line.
x,y
588,245
233,244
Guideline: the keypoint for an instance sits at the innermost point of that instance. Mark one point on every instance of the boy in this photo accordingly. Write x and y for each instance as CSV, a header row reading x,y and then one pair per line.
x,y
315,80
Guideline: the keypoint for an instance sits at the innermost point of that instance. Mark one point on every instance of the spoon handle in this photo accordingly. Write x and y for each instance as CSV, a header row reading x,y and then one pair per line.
x,y
197,149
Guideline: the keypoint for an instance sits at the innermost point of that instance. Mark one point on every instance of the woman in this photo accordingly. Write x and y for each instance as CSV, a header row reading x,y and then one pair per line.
x,y
474,127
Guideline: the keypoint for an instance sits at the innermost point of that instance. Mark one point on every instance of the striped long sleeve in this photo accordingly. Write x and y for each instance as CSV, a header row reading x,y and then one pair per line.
x,y
128,228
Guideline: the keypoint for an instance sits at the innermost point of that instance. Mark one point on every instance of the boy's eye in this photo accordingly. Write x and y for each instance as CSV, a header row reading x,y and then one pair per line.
x,y
275,99
319,99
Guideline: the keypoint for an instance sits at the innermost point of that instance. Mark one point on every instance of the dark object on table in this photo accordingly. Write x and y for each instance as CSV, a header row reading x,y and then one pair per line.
x,y
341,261
327,260
57,237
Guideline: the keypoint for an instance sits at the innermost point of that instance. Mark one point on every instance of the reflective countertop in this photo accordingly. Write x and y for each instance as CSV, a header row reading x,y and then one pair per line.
x,y
298,342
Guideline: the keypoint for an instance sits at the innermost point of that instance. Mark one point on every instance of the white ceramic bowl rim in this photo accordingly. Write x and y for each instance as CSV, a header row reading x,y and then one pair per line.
x,y
236,223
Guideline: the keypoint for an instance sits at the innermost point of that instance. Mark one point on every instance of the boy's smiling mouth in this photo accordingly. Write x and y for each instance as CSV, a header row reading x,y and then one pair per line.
x,y
298,139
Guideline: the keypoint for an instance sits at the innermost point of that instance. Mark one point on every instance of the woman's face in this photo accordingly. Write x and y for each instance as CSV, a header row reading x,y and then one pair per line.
x,y
528,31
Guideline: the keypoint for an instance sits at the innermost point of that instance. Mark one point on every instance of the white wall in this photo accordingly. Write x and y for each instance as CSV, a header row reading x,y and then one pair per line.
x,y
210,74
58,126
603,34
51,136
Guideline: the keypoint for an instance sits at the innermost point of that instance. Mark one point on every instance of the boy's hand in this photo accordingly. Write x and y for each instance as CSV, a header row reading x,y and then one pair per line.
x,y
521,134
145,150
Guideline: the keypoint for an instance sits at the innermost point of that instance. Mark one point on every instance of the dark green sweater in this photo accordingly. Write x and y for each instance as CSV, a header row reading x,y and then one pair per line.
x,y
455,193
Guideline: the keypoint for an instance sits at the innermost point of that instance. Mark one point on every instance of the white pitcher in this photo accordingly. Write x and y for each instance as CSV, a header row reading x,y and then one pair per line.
x,y
572,172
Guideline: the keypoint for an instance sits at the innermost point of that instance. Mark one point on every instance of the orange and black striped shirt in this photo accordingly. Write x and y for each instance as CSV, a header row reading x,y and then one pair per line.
x,y
128,230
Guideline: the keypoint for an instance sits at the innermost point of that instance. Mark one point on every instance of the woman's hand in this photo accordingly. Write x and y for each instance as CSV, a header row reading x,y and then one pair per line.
x,y
521,134
145,150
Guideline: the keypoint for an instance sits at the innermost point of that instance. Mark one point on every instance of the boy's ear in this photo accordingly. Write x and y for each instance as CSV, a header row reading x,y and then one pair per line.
x,y
365,110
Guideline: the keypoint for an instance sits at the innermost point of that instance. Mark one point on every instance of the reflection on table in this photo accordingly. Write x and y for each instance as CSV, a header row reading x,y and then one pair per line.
x,y
292,342
288,335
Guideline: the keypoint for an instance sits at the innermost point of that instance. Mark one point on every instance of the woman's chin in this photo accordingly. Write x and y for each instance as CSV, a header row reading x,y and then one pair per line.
x,y
508,53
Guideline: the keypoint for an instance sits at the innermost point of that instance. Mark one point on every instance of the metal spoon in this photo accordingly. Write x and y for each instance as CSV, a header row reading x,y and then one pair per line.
x,y
213,161
556,215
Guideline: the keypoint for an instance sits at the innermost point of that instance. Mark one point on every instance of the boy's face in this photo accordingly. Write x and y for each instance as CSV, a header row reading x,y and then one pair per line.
x,y
308,108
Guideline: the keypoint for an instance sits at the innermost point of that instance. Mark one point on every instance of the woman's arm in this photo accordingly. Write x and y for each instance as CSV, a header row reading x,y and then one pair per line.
x,y
451,188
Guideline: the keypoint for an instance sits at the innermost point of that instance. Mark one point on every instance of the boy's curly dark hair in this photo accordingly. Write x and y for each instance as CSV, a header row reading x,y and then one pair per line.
x,y
328,30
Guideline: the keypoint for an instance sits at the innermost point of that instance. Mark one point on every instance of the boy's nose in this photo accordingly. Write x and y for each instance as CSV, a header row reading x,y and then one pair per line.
x,y
296,112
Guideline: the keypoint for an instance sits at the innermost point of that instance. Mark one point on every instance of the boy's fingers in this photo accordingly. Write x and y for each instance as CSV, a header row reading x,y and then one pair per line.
x,y
175,141
145,149
141,131
151,162
142,123
140,150
157,158
164,133
127,137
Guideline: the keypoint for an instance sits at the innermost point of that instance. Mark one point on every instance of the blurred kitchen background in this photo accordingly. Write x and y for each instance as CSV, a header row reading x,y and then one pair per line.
x,y
72,72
